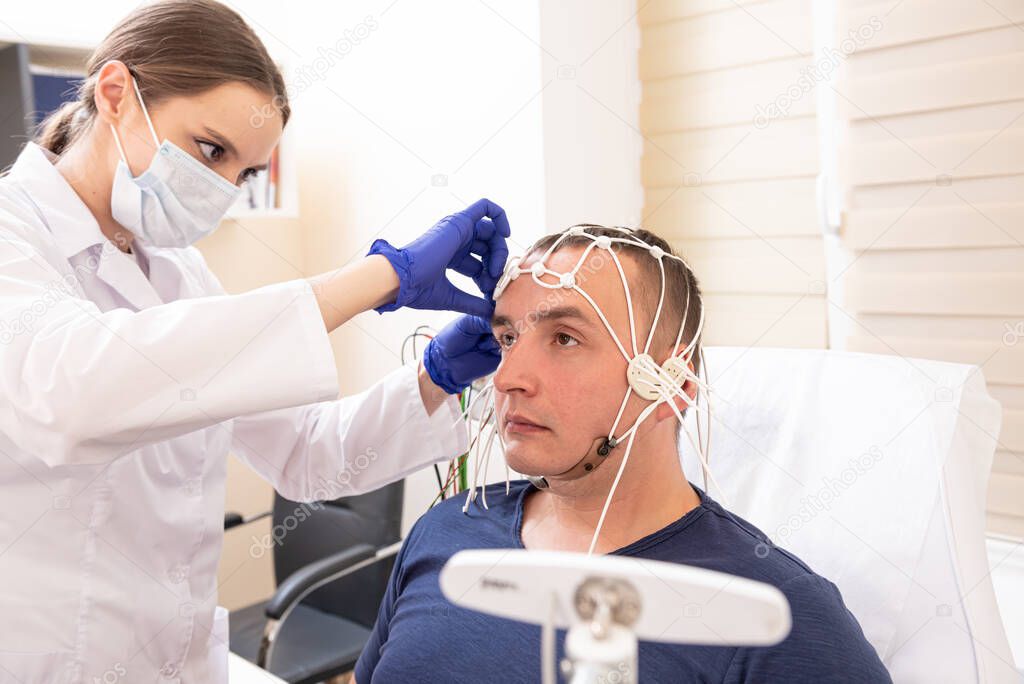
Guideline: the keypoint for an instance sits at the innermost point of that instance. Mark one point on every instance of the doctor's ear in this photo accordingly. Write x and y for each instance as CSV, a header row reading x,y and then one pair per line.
x,y
114,92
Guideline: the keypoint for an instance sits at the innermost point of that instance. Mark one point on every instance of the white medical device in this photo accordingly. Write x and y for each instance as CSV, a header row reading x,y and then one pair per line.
x,y
608,603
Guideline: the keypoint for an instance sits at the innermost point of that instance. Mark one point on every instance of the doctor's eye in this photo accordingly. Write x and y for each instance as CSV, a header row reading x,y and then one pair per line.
x,y
211,151
214,153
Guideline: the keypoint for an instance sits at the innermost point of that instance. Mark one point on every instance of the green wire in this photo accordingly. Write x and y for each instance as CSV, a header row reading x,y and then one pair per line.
x,y
463,474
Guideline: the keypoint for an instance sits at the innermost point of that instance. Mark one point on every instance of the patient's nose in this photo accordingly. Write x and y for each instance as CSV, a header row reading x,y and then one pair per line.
x,y
516,373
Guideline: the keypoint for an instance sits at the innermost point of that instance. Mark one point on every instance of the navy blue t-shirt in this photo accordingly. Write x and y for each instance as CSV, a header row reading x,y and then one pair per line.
x,y
421,637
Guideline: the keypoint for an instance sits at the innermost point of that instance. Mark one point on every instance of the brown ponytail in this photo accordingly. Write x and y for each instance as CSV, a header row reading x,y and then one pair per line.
x,y
172,47
57,131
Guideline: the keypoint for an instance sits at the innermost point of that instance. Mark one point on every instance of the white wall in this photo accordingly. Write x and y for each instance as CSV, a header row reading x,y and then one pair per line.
x,y
422,116
592,141
79,24
435,108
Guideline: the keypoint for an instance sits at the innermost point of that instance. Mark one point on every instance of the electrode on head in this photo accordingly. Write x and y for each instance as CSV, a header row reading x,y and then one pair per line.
x,y
510,274
643,375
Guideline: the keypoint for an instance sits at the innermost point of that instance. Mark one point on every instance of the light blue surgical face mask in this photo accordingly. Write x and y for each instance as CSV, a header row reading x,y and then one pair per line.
x,y
174,202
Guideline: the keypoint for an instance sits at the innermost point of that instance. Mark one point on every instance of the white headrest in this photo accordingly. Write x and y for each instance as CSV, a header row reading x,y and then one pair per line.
x,y
872,469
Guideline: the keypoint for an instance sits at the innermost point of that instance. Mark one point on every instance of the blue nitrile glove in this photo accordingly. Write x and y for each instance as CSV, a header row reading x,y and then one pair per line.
x,y
463,351
421,265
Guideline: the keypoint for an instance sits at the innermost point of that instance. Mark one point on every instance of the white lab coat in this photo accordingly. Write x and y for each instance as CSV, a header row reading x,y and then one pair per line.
x,y
120,396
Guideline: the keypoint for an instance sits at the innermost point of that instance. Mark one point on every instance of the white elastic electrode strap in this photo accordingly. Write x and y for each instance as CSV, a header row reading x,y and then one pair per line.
x,y
666,385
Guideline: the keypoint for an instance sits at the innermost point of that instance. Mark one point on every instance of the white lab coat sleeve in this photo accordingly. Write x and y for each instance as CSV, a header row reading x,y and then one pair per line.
x,y
80,386
353,445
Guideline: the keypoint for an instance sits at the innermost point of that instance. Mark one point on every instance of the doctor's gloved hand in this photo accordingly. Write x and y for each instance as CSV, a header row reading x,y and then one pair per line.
x,y
463,351
454,242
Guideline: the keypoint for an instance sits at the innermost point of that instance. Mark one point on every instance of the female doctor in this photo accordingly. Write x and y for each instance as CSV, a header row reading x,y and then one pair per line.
x,y
127,374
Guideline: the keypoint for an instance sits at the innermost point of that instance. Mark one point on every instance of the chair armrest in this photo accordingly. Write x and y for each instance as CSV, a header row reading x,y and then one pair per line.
x,y
308,579
304,579
235,519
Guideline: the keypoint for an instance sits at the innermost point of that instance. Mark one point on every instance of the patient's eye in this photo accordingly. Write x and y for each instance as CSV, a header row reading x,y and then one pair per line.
x,y
566,340
505,339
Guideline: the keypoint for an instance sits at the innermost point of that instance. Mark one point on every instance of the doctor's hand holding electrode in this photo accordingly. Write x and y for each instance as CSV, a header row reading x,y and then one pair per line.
x,y
128,374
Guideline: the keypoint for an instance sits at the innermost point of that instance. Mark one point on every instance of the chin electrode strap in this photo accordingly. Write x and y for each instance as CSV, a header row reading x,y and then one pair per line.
x,y
594,457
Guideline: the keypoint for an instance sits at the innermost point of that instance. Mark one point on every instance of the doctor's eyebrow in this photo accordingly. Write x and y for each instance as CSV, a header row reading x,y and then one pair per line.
x,y
227,145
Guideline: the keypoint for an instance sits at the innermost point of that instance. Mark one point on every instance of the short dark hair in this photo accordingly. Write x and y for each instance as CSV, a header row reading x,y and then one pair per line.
x,y
682,291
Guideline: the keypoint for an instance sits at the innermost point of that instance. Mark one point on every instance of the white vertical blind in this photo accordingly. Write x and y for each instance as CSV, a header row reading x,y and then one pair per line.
x,y
933,107
930,97
728,182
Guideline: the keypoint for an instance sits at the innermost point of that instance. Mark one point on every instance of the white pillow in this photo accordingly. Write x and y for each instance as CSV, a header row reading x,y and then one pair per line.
x,y
872,469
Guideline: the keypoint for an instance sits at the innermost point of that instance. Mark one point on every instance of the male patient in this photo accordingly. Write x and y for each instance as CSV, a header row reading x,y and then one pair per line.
x,y
559,388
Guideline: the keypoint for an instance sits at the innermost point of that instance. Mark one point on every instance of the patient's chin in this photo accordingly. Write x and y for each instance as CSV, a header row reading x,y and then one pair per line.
x,y
519,461
530,460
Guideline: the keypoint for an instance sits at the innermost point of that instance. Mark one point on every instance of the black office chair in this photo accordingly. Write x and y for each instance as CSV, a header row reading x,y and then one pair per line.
x,y
331,566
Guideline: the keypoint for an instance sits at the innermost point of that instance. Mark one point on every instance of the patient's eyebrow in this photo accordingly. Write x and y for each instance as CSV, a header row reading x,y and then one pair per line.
x,y
501,321
546,314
